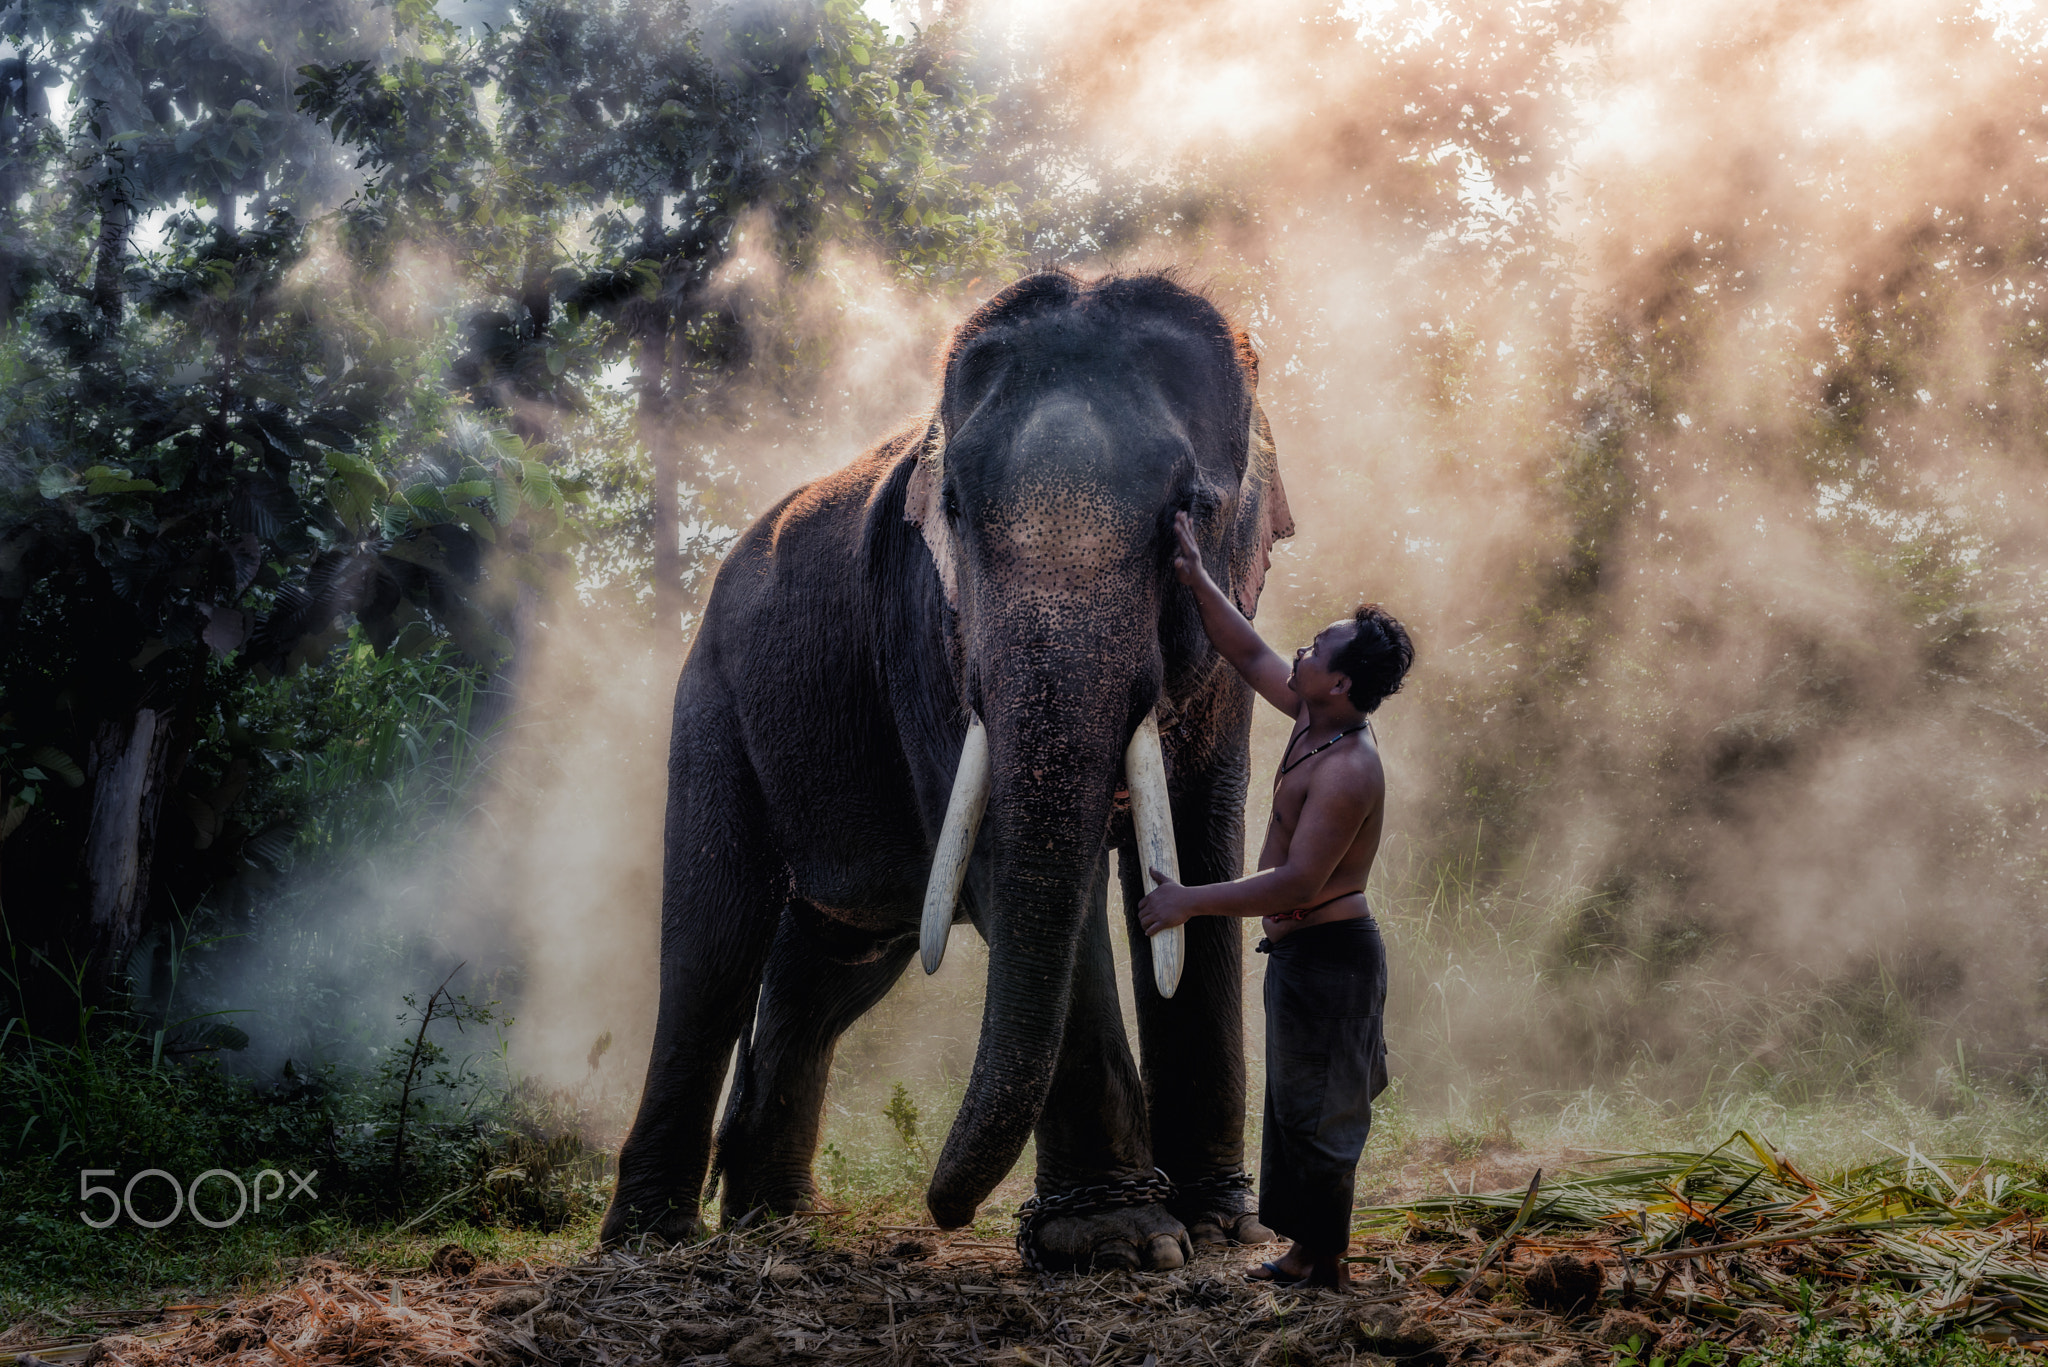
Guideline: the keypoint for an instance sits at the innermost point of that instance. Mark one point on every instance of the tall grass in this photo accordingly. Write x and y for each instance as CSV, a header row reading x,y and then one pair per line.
x,y
1520,1012
1565,1011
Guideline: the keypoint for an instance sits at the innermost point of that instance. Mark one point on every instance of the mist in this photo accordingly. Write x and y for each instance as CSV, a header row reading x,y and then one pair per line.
x,y
1675,373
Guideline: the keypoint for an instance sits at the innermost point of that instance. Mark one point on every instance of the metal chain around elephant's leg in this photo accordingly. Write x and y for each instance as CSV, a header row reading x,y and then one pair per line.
x,y
1152,1190
1223,1185
1221,1196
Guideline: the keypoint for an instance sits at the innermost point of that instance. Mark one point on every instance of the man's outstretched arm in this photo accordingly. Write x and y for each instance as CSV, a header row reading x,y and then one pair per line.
x,y
1234,638
1339,800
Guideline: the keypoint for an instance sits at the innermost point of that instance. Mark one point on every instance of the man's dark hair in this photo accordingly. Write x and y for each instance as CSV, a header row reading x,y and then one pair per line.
x,y
1376,658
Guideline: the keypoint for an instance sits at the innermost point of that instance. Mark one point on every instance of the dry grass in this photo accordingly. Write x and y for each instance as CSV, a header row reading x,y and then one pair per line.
x,y
1671,1252
331,1314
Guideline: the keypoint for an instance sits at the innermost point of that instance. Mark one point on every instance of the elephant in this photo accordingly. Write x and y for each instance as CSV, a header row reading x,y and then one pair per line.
x,y
1000,570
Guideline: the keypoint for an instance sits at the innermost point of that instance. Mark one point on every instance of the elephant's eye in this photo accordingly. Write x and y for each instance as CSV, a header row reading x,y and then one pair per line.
x,y
950,503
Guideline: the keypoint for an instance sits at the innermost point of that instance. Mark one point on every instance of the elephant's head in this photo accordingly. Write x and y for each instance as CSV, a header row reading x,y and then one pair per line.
x,y
1076,420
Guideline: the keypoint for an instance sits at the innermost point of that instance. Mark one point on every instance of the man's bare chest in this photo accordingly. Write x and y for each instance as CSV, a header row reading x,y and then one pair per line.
x,y
1288,798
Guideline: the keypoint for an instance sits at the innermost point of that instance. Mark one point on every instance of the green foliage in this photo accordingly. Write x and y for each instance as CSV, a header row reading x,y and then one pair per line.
x,y
901,1113
1636,1353
549,1161
114,1092
221,449
130,1091
424,1069
1835,1347
877,1154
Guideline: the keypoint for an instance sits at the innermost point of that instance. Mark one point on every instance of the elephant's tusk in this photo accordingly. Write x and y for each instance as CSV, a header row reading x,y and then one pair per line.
x,y
1152,817
956,842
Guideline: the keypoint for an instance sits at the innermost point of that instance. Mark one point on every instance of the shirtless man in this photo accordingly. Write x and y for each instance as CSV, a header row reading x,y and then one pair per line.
x,y
1326,982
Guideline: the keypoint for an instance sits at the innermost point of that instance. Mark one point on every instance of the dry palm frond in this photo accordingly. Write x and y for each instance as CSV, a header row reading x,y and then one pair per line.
x,y
1957,1240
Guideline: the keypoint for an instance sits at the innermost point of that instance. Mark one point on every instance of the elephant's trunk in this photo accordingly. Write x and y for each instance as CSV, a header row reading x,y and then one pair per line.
x,y
1055,759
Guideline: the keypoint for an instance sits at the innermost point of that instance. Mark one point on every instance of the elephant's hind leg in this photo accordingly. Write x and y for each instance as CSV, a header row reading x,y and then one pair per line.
x,y
821,978
723,885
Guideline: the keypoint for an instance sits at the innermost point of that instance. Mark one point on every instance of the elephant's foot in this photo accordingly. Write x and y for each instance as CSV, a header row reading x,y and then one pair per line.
x,y
1127,1239
1217,1229
659,1222
1217,1212
749,1198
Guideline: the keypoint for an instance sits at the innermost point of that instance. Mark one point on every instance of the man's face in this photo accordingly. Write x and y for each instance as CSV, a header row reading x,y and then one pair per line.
x,y
1312,676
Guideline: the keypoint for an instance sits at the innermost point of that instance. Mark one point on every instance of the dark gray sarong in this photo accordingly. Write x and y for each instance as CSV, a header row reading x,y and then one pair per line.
x,y
1326,1059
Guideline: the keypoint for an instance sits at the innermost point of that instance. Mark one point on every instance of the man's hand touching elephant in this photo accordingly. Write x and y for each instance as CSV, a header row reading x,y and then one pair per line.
x,y
1167,905
1227,628
1187,556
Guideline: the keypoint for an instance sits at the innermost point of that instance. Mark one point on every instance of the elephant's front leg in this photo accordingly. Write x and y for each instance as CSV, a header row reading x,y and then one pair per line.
x,y
1093,1129
1193,1042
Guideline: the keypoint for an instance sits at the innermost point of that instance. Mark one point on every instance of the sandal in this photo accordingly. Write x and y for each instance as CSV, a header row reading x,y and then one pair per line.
x,y
1275,1275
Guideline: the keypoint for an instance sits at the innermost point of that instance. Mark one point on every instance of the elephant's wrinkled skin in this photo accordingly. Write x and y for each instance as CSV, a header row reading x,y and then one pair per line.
x,y
1011,559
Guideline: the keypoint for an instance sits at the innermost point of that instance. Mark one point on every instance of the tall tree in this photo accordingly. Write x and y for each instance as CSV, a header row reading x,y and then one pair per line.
x,y
225,444
199,458
808,119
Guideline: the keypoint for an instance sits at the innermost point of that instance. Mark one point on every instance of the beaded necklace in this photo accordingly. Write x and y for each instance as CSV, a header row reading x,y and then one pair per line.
x,y
1286,768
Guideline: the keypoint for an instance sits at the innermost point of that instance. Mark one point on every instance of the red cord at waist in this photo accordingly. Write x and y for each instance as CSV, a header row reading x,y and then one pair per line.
x,y
1304,913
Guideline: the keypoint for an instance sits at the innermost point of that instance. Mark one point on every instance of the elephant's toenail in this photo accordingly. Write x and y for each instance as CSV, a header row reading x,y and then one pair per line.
x,y
1116,1255
1167,1253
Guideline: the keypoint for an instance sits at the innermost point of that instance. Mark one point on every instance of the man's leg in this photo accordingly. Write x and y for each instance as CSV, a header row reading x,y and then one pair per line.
x,y
1325,992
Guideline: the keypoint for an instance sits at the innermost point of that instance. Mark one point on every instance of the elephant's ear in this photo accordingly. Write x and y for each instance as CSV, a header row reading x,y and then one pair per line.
x,y
1264,499
1248,357
921,506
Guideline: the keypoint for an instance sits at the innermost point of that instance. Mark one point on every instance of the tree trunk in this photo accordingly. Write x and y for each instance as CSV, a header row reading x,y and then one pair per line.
x,y
15,104
656,411
536,297
129,770
110,256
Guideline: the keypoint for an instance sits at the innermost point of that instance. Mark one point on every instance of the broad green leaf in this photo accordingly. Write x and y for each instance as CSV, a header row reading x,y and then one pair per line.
x,y
117,484
475,519
60,764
